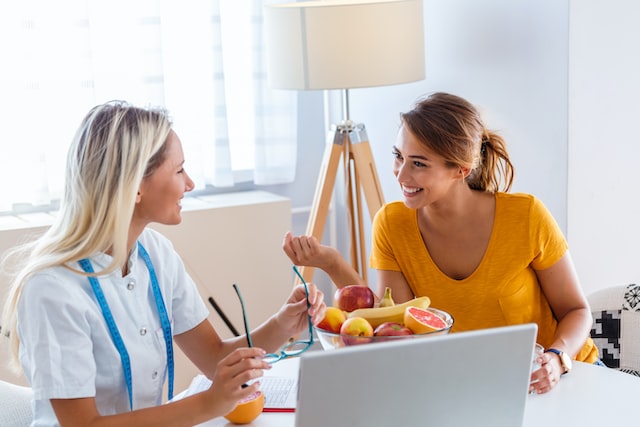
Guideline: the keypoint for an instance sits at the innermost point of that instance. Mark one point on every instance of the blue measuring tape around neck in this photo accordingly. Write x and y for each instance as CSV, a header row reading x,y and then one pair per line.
x,y
113,328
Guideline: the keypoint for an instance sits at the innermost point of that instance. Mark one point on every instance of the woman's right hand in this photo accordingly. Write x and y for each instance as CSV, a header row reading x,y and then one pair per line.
x,y
307,251
234,371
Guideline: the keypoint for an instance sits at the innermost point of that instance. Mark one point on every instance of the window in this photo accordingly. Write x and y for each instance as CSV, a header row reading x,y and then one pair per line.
x,y
202,60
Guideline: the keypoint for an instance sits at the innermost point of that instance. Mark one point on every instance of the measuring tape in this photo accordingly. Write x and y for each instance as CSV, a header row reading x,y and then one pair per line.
x,y
113,328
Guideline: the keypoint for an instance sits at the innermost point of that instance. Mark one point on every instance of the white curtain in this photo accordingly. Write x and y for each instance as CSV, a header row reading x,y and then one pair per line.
x,y
202,60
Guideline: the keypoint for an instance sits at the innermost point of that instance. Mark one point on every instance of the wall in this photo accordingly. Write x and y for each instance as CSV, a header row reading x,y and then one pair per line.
x,y
604,144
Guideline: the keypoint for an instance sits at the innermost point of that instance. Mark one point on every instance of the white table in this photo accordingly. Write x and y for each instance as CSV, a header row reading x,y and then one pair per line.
x,y
588,396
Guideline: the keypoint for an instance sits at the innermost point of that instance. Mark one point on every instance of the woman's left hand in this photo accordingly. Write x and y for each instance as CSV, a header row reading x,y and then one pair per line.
x,y
293,314
548,376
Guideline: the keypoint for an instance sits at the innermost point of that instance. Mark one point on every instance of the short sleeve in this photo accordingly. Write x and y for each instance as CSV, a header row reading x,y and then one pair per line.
x,y
55,338
187,309
382,254
546,236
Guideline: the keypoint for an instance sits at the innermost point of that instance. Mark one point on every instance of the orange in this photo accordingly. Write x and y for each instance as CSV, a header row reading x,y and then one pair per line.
x,y
422,321
247,409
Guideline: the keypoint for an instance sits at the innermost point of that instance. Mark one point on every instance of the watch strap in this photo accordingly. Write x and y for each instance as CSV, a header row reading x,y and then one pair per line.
x,y
561,356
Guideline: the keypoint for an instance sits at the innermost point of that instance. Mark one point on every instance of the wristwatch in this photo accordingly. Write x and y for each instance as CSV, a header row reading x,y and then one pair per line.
x,y
565,360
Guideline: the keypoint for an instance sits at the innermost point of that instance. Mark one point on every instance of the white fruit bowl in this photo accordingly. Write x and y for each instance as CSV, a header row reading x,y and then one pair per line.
x,y
330,340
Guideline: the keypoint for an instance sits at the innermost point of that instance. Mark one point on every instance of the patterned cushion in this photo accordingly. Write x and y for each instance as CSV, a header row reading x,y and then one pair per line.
x,y
631,300
616,326
606,335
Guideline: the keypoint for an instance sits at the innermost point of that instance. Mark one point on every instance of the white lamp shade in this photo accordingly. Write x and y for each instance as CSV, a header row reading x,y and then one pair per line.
x,y
342,44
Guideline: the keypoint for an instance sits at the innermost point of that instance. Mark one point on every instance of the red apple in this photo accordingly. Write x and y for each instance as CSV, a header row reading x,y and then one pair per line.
x,y
358,329
332,320
353,297
388,329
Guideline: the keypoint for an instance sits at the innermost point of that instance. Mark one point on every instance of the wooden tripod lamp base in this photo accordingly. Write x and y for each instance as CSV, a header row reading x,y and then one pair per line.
x,y
350,146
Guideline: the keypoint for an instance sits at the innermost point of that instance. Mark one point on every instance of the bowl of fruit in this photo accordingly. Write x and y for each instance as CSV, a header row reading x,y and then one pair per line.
x,y
355,319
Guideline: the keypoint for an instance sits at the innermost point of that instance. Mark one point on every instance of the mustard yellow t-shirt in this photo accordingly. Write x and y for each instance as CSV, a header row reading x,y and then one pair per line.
x,y
504,289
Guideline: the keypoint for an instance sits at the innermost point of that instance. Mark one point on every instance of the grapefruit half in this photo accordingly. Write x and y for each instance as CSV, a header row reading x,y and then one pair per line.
x,y
422,321
247,409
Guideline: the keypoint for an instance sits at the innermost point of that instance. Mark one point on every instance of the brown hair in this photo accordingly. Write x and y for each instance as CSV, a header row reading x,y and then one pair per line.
x,y
452,127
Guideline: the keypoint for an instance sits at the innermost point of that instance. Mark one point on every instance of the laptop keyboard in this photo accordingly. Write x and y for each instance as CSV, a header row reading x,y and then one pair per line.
x,y
277,390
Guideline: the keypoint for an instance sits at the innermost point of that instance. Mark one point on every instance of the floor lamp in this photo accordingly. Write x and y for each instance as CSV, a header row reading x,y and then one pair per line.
x,y
345,44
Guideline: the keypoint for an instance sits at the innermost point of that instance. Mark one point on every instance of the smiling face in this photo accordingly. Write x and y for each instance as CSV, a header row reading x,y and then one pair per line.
x,y
160,194
424,177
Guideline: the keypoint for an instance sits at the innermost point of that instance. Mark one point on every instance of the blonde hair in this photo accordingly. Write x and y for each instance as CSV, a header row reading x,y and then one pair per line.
x,y
115,147
453,128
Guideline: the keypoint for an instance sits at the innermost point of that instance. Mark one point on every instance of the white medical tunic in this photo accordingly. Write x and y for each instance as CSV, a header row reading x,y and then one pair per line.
x,y
66,349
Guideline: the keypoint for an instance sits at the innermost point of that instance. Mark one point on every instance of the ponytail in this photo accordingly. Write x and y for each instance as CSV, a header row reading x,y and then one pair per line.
x,y
495,171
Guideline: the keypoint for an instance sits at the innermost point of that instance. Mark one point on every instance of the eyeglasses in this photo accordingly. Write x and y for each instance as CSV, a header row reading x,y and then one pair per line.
x,y
292,349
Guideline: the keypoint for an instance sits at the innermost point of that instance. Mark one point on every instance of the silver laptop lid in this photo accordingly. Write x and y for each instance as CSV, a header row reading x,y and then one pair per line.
x,y
474,378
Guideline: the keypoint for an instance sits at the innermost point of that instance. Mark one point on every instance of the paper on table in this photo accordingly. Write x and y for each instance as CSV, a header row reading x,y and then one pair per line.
x,y
198,383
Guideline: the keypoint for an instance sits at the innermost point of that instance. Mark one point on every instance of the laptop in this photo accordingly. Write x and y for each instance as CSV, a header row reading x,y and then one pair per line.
x,y
475,378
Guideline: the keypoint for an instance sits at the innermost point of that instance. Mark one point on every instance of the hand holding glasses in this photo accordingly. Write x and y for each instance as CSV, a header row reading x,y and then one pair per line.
x,y
292,349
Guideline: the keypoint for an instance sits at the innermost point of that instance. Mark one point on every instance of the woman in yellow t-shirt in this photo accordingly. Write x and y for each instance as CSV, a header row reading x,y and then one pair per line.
x,y
488,257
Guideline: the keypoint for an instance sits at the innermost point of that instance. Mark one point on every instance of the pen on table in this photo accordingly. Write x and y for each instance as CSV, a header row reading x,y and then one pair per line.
x,y
224,317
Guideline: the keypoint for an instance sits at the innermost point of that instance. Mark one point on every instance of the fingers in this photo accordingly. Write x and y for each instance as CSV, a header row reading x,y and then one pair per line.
x,y
295,247
317,305
545,378
233,375
241,354
316,302
244,364
235,369
293,314
300,249
287,247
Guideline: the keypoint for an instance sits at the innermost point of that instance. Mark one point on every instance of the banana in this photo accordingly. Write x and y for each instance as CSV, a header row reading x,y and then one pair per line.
x,y
387,300
395,313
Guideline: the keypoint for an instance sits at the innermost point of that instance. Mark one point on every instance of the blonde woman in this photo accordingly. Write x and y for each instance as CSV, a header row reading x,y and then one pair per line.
x,y
100,298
